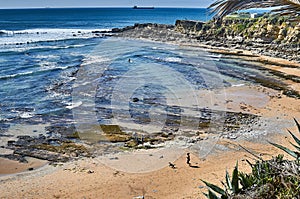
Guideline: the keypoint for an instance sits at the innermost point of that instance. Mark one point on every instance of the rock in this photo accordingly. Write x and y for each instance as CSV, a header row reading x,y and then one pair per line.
x,y
263,33
187,26
116,30
11,142
2,33
135,99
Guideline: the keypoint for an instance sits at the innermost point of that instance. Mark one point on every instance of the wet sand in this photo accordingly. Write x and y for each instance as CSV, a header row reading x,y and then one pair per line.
x,y
13,167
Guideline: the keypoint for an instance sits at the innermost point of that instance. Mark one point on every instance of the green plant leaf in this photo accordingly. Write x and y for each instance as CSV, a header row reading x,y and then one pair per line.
x,y
245,180
297,147
214,188
288,151
227,177
211,195
294,137
235,179
298,125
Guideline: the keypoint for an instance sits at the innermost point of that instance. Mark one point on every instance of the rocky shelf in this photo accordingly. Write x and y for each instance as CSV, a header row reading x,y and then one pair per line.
x,y
271,36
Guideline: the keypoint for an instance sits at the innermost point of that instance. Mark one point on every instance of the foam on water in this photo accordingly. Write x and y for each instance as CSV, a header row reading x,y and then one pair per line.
x,y
26,115
173,59
73,105
40,35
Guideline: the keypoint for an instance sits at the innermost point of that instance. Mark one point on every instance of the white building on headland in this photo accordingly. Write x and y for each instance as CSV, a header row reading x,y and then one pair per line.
x,y
256,15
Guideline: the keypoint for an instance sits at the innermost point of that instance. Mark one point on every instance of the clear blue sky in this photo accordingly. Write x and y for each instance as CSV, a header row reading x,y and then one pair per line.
x,y
103,3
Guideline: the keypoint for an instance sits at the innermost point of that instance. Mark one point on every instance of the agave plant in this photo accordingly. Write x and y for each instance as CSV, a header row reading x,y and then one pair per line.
x,y
284,7
281,176
231,186
295,154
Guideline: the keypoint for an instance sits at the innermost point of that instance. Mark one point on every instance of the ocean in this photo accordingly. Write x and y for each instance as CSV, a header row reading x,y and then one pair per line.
x,y
56,69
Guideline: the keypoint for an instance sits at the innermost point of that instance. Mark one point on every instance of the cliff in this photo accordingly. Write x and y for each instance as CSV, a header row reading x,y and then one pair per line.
x,y
271,36
278,36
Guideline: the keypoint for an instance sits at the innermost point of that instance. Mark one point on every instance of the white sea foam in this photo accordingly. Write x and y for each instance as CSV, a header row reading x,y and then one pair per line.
x,y
73,105
238,85
94,59
47,57
45,66
15,75
25,115
173,59
38,35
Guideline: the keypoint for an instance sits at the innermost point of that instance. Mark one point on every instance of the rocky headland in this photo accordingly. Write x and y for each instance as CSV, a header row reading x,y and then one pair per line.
x,y
270,36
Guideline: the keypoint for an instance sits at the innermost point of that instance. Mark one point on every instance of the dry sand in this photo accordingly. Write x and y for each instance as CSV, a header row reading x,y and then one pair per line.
x,y
89,178
92,178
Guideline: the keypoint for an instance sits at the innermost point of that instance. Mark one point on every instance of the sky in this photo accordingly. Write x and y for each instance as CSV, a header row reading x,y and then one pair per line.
x,y
103,3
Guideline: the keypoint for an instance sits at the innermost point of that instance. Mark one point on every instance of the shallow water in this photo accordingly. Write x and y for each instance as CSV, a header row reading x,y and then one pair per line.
x,y
56,70
136,84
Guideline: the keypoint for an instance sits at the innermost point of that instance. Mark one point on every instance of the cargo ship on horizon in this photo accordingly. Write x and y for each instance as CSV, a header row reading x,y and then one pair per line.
x,y
145,7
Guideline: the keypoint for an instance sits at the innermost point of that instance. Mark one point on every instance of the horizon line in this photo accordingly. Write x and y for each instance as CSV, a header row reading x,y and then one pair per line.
x,y
50,7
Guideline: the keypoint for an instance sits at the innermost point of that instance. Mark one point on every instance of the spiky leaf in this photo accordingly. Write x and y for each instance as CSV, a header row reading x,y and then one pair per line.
x,y
228,183
245,180
214,187
298,125
211,195
235,179
297,147
294,137
288,151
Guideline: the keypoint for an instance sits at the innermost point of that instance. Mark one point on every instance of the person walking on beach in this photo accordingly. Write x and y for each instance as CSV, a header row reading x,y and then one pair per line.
x,y
188,159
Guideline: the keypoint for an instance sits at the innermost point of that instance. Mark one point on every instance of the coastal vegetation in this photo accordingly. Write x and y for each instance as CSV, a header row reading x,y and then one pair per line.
x,y
290,8
267,29
275,178
269,35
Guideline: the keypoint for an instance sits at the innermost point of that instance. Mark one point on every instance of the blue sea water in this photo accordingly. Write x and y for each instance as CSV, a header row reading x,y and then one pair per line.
x,y
42,50
94,18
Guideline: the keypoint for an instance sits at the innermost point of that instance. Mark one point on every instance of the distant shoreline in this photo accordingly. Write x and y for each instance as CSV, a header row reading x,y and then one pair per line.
x,y
170,34
96,7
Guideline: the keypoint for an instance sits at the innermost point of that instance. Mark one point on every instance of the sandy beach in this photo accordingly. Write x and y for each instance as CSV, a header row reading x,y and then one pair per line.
x,y
98,100
90,178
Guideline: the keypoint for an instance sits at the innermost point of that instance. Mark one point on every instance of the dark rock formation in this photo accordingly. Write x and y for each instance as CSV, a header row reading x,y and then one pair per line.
x,y
189,27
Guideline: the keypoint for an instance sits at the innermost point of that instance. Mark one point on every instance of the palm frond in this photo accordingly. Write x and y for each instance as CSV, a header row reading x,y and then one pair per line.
x,y
286,7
